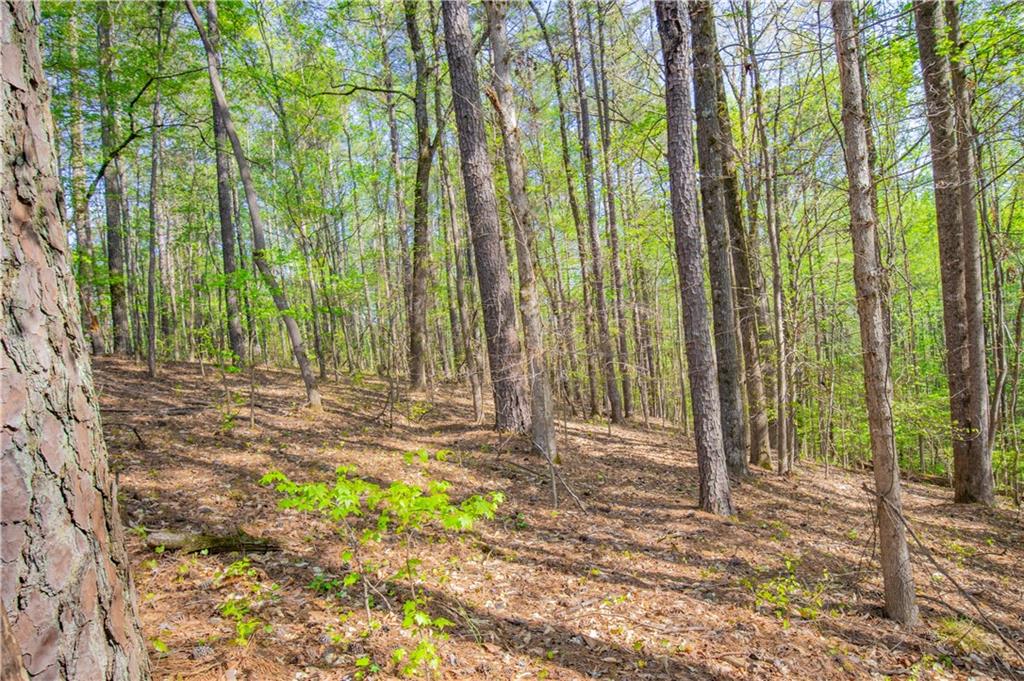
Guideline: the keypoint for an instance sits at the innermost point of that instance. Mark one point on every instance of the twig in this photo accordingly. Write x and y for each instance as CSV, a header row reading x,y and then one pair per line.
x,y
135,431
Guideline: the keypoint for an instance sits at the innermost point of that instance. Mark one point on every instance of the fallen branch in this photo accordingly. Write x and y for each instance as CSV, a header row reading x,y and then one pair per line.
x,y
194,542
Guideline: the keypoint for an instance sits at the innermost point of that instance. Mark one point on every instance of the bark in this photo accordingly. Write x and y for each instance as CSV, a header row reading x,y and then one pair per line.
x,y
604,343
524,224
970,476
112,190
236,336
972,481
421,200
674,28
507,375
258,238
65,582
897,575
710,144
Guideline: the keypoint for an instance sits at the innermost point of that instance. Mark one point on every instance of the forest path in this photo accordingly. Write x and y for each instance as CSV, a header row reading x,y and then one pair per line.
x,y
642,586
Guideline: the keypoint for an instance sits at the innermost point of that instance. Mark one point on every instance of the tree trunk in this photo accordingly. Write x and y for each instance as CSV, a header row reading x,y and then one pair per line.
x,y
972,481
604,343
710,148
421,201
574,207
154,205
600,77
80,200
971,475
674,28
258,238
236,336
507,376
541,410
898,578
65,583
112,190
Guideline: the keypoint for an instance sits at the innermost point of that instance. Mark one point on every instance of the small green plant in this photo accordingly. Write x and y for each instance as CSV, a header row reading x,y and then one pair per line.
x,y
785,593
400,510
964,635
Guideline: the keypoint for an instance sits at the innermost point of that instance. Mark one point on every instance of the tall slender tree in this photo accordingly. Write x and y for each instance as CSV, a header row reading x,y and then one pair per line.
x,y
236,336
507,375
252,203
674,29
66,587
710,150
868,277
604,341
962,318
523,222
112,189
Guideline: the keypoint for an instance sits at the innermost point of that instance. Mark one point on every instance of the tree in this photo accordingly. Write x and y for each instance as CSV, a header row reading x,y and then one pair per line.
x,y
258,238
421,204
236,336
674,29
959,263
65,586
604,341
112,189
507,379
897,575
541,418
710,149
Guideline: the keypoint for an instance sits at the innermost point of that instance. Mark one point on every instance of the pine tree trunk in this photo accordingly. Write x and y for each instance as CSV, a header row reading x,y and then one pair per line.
x,y
154,205
541,409
897,575
507,376
65,584
674,28
112,189
710,148
258,238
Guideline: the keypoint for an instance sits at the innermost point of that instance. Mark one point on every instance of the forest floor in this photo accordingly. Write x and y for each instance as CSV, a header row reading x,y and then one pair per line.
x,y
640,586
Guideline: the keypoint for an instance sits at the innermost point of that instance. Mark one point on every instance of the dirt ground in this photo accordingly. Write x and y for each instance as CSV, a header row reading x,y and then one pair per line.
x,y
641,585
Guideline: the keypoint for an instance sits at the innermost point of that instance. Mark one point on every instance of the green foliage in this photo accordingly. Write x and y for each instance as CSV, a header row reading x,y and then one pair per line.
x,y
786,594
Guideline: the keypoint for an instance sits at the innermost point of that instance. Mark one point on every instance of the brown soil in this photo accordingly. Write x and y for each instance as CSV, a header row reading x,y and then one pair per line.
x,y
640,586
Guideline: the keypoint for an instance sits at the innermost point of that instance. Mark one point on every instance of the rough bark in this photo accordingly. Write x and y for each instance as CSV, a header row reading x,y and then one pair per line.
x,y
507,375
972,481
524,226
604,342
674,29
946,178
236,336
710,144
64,583
258,238
112,190
897,575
